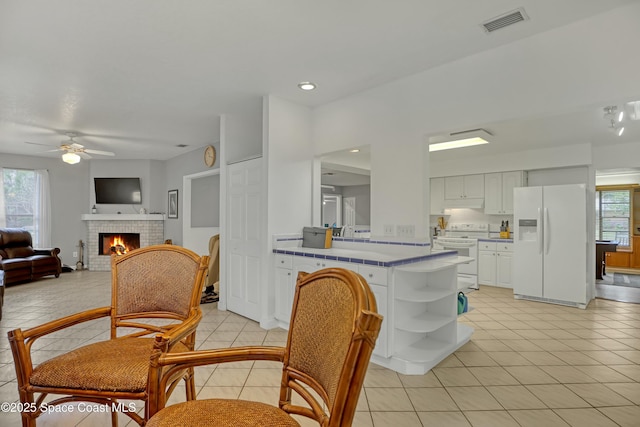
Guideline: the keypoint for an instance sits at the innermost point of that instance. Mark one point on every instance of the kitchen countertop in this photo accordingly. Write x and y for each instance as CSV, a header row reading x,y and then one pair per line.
x,y
371,258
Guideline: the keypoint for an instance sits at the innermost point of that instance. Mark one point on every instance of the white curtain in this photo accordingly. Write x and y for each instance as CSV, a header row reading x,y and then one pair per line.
x,y
42,214
3,214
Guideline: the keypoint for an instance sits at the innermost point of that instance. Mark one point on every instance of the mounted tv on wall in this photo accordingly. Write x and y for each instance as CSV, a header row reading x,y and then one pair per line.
x,y
121,191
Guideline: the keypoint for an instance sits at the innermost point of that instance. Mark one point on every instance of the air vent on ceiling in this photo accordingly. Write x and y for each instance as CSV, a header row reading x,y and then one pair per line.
x,y
505,20
181,145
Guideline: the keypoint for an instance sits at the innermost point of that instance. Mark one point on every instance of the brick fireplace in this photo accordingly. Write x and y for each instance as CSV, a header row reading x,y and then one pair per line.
x,y
148,229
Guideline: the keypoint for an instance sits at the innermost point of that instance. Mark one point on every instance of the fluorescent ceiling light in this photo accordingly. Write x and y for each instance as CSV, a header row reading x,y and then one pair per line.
x,y
459,140
71,158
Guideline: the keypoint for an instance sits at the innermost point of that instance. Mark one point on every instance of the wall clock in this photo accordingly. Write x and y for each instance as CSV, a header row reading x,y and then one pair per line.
x,y
209,155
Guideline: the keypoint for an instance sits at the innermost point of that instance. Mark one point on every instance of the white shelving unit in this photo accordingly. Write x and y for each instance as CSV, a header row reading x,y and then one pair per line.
x,y
425,326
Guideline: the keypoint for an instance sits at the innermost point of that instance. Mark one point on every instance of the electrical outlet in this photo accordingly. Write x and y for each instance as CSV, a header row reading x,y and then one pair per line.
x,y
406,231
75,254
389,230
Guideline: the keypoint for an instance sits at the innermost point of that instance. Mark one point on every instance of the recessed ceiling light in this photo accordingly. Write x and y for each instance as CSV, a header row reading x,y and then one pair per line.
x,y
307,85
355,150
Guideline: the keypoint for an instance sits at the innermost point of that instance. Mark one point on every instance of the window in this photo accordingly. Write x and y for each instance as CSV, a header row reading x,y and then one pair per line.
x,y
24,203
613,215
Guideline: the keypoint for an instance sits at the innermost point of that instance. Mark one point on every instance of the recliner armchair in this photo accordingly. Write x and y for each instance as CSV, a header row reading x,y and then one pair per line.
x,y
21,262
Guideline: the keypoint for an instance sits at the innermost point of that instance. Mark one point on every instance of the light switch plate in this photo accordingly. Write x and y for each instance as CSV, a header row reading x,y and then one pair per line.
x,y
389,230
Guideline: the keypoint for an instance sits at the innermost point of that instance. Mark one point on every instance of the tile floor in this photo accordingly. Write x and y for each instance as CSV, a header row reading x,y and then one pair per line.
x,y
527,364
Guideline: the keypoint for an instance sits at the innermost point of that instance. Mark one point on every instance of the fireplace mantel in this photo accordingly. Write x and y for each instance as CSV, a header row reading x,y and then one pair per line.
x,y
122,217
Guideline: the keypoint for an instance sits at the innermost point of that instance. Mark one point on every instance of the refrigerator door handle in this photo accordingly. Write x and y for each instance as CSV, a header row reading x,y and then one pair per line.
x,y
546,231
539,228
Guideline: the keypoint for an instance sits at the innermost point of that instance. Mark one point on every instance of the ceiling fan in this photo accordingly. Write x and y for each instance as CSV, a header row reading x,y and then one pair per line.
x,y
74,151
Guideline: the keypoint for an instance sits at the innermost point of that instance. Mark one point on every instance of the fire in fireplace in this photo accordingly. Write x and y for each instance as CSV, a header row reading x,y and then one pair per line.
x,y
117,243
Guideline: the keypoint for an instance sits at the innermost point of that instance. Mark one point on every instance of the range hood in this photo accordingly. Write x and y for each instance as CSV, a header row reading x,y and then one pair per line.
x,y
464,203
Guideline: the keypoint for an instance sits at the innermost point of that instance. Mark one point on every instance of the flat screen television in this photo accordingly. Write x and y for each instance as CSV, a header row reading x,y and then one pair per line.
x,y
122,191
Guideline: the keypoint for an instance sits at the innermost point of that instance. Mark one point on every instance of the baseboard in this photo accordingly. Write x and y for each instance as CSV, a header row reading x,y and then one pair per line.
x,y
623,270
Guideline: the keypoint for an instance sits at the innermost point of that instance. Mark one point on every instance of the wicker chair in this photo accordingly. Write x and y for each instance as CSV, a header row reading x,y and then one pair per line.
x,y
333,329
154,307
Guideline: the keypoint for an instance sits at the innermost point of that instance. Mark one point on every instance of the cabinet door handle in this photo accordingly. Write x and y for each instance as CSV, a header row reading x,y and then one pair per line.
x,y
371,275
288,274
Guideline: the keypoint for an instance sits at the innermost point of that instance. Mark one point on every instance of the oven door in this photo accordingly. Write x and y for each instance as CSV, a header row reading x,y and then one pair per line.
x,y
468,249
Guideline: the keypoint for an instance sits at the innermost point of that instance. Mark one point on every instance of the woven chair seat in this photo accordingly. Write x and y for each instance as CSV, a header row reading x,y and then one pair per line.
x,y
120,364
222,413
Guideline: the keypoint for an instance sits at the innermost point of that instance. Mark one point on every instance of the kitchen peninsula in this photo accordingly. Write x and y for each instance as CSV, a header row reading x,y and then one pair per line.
x,y
416,292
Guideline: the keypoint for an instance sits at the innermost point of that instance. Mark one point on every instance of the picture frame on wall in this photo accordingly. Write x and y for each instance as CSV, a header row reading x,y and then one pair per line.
x,y
172,211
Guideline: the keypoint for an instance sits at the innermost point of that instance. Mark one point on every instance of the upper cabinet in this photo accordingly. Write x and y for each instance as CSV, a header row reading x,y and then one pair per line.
x,y
498,191
464,187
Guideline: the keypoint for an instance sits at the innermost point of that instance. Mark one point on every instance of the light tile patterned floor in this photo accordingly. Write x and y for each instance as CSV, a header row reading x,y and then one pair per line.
x,y
527,364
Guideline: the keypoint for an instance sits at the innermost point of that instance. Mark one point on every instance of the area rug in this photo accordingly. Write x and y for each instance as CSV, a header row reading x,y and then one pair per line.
x,y
631,280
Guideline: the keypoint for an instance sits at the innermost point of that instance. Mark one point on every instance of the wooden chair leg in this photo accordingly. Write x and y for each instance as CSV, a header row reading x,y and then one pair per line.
x,y
190,384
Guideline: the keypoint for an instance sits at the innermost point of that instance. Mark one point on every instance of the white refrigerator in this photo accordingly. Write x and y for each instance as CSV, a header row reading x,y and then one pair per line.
x,y
550,244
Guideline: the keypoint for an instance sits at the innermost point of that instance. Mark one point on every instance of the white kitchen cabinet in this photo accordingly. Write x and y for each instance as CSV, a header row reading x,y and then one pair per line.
x,y
498,191
495,263
504,267
284,287
487,264
464,187
436,196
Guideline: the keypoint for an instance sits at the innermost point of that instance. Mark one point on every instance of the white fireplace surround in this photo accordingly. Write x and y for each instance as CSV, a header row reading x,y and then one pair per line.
x,y
149,226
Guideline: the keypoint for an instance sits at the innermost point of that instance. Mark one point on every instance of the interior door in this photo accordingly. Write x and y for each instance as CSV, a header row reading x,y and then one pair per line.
x,y
244,271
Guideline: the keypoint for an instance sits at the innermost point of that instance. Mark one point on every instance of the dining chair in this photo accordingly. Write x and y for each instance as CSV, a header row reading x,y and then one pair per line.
x,y
155,296
333,330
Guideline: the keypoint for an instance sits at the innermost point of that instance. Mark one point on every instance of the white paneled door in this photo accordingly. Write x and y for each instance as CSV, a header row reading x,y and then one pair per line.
x,y
244,204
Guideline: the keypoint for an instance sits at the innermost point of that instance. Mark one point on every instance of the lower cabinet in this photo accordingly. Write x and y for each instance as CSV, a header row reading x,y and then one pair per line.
x,y
286,274
617,259
495,263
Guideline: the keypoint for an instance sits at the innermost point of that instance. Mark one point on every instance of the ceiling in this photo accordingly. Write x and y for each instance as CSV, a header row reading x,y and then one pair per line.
x,y
139,78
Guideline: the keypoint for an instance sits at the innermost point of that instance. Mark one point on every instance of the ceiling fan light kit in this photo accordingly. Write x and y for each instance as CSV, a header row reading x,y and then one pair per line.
x,y
71,158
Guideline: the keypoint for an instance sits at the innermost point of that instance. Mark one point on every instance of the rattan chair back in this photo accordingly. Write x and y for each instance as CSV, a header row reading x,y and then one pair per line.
x,y
333,329
154,279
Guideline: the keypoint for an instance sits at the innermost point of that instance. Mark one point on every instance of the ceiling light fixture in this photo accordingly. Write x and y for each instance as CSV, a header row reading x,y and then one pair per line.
x,y
633,110
614,119
71,158
355,150
307,85
462,139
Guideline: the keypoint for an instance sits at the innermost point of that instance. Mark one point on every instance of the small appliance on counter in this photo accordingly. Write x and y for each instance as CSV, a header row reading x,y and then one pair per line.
x,y
317,237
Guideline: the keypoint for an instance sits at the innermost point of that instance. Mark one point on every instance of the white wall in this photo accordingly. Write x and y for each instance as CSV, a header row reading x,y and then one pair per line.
x,y
290,161
243,134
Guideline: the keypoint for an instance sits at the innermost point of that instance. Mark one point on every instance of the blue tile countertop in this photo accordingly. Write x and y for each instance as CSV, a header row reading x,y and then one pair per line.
x,y
498,240
363,257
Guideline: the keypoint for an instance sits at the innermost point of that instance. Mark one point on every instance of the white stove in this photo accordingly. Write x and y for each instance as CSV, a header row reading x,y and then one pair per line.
x,y
463,238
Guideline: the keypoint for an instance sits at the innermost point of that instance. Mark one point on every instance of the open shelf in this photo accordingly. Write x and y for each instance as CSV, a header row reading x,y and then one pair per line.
x,y
424,322
423,294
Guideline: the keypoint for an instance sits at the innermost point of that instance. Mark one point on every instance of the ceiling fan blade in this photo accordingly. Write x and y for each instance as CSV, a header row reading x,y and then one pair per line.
x,y
76,145
37,143
102,153
55,149
83,155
